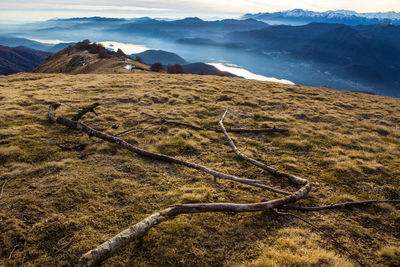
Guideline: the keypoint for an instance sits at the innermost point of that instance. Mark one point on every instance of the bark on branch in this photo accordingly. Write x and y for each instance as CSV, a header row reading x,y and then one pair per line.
x,y
112,139
85,110
108,248
111,246
294,179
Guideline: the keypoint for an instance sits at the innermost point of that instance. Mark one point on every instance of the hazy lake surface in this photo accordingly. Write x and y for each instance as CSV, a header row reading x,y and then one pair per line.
x,y
130,48
127,48
277,65
237,70
196,54
51,41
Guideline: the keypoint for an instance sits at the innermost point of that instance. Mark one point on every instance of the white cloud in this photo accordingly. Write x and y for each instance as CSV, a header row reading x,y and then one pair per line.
x,y
123,8
45,9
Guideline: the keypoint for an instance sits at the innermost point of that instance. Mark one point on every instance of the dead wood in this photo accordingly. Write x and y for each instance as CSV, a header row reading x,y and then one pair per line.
x,y
85,110
137,231
105,250
112,139
2,188
108,248
294,179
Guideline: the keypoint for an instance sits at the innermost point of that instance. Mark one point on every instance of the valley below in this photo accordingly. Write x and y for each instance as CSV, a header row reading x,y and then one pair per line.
x,y
355,58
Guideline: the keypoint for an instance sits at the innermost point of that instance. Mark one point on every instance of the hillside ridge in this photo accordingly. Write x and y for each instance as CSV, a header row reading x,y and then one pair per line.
x,y
87,57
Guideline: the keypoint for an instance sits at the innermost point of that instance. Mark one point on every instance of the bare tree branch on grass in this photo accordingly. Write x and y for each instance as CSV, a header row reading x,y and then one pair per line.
x,y
111,246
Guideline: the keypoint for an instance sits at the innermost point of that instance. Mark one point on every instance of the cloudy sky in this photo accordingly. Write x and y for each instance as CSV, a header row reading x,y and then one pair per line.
x,y
24,10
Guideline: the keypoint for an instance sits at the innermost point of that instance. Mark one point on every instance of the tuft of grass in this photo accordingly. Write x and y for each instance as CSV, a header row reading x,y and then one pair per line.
x,y
177,146
297,247
390,255
10,153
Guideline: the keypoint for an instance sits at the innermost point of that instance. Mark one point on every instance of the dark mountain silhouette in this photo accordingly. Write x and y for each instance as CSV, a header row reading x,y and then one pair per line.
x,y
12,41
209,42
20,59
385,32
354,53
342,45
188,27
205,69
367,54
152,56
280,38
59,47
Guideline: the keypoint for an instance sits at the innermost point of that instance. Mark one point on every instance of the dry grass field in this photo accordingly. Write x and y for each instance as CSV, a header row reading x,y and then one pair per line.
x,y
57,205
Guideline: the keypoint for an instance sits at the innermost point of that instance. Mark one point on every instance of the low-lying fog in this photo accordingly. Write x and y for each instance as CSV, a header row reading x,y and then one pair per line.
x,y
276,65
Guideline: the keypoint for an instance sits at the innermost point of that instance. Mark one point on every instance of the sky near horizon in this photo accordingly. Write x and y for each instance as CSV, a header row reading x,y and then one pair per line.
x,y
25,11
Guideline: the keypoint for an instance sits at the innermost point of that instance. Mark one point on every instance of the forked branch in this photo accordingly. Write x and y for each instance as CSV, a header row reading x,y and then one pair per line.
x,y
108,248
111,246
112,139
85,110
294,179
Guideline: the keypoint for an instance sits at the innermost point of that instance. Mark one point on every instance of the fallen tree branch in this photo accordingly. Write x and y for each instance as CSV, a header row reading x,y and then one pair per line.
x,y
294,179
108,248
124,144
85,110
198,128
340,205
135,232
2,188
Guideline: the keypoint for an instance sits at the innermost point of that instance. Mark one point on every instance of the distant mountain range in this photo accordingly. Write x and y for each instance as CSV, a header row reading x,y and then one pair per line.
x,y
205,69
167,58
153,56
12,41
188,27
339,55
20,59
366,53
347,17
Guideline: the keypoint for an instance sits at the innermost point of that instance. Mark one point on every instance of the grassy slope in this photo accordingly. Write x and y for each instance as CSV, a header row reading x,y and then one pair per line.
x,y
55,206
93,64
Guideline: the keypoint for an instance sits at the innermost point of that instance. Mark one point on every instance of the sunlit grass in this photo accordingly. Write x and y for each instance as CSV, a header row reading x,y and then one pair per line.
x,y
57,205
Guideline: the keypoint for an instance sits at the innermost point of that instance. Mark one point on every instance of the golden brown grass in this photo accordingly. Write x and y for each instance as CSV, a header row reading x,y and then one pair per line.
x,y
90,63
56,206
